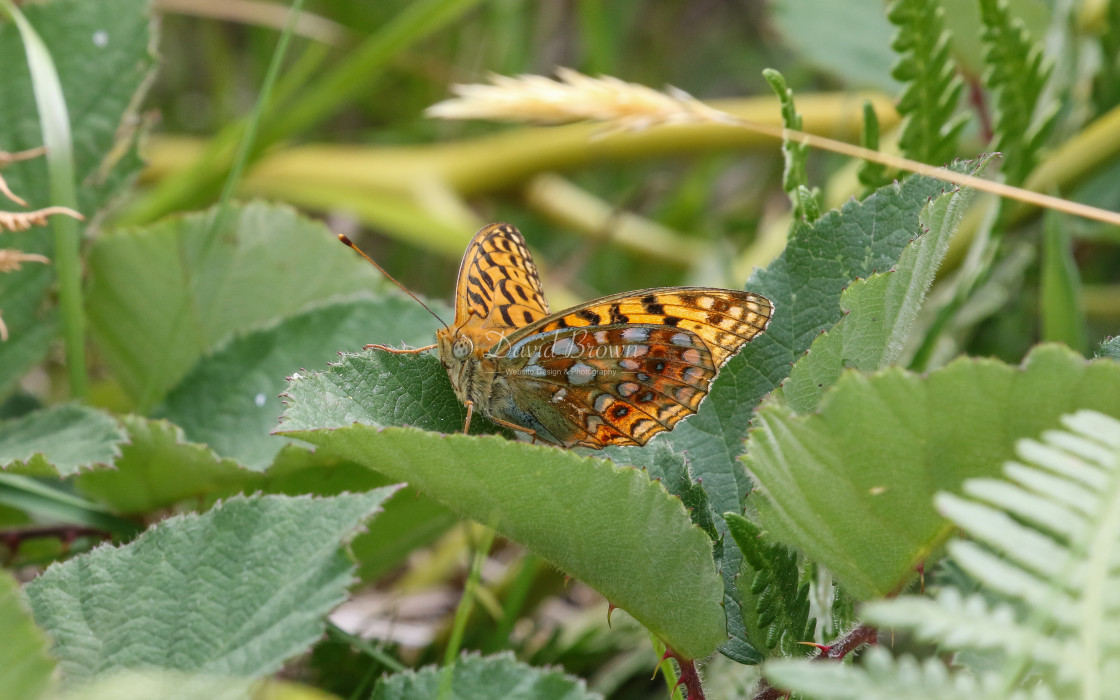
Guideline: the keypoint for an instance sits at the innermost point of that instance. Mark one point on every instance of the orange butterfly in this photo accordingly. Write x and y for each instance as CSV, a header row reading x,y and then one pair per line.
x,y
613,371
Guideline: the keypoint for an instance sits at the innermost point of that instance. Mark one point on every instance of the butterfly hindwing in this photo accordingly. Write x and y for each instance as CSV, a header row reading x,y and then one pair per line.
x,y
498,282
625,367
617,385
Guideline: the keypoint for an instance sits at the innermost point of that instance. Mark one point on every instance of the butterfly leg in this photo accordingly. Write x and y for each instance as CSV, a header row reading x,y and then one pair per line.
x,y
398,351
496,421
514,426
470,412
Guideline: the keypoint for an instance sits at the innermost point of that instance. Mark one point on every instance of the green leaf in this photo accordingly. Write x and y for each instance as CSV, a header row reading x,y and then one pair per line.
x,y
1109,348
805,283
483,678
879,311
1040,544
671,469
160,297
59,440
1063,314
852,484
381,389
409,520
855,56
234,591
230,399
104,60
609,526
158,468
27,667
150,683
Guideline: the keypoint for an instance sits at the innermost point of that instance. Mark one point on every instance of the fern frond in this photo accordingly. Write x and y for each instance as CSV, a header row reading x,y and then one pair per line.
x,y
1046,546
881,677
795,179
771,576
1016,73
871,175
933,86
958,623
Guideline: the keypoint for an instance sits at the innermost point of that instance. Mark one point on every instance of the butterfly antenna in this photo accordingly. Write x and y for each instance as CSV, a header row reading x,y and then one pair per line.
x,y
345,239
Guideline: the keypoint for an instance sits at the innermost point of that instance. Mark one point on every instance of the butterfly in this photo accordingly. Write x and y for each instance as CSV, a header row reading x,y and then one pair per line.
x,y
613,371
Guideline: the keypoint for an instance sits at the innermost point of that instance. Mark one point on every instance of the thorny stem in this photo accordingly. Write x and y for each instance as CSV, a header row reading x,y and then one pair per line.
x,y
864,634
12,539
689,678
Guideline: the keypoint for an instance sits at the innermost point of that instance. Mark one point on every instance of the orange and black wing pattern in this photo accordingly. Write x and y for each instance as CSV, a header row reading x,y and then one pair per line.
x,y
498,283
623,368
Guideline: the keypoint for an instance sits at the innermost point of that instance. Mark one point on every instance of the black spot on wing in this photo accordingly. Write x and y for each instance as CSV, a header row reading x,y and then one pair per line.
x,y
617,316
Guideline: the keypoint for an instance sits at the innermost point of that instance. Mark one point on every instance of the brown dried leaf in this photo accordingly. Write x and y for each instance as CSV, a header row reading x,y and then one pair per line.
x,y
23,220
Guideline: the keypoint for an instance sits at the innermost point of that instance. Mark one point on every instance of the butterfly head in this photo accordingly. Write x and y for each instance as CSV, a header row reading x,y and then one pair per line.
x,y
461,347
454,346
457,354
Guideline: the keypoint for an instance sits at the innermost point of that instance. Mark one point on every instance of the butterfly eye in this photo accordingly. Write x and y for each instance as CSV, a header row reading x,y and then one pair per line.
x,y
462,347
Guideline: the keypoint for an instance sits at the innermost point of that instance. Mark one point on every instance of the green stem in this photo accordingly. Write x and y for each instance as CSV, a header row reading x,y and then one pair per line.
x,y
54,119
515,601
352,78
246,146
466,603
365,647
328,94
52,504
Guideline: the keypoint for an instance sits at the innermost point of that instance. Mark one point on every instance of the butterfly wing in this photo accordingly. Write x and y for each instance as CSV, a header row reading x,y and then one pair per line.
x,y
498,283
619,370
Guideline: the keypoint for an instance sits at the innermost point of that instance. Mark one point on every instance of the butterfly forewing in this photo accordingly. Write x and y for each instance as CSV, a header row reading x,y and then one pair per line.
x,y
498,283
724,319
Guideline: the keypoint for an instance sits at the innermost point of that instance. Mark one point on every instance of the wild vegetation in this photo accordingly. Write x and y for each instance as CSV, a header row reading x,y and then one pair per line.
x,y
908,486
